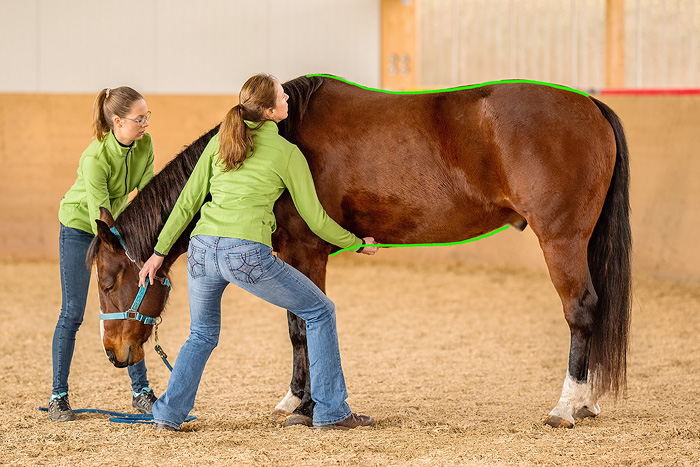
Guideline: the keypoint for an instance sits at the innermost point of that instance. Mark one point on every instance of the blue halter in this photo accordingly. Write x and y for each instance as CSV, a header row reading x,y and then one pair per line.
x,y
133,312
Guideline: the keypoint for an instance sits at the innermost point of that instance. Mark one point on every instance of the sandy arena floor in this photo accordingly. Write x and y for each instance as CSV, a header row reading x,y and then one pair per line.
x,y
459,366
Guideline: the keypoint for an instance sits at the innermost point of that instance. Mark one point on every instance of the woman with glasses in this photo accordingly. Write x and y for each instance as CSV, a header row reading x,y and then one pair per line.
x,y
245,168
119,160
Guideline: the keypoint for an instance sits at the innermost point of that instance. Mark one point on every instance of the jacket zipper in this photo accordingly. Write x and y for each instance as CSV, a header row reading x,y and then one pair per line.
x,y
126,178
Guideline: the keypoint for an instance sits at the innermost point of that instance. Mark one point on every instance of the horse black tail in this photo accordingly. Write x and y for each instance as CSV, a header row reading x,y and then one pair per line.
x,y
609,258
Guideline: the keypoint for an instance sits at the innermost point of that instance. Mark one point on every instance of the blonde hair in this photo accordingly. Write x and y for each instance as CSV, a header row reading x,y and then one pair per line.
x,y
108,103
258,94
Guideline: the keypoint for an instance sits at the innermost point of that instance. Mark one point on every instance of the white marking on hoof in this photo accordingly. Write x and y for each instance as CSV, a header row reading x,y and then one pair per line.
x,y
574,395
289,403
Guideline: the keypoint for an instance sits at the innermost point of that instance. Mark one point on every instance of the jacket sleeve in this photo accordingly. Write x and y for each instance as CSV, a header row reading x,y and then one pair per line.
x,y
95,174
300,184
190,200
148,171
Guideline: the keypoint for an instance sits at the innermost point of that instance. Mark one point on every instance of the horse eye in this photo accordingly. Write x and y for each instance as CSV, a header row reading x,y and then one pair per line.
x,y
107,289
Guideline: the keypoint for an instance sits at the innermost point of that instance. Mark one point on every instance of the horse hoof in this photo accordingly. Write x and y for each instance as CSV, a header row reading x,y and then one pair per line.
x,y
279,416
298,419
584,412
558,422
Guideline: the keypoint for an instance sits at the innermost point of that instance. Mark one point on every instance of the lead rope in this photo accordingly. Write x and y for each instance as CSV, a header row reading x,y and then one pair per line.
x,y
159,350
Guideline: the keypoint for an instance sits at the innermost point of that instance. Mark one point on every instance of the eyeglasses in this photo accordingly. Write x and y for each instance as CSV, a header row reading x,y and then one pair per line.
x,y
141,121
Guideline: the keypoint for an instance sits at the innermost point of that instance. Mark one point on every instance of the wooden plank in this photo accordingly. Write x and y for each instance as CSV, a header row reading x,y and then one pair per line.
x,y
614,43
398,31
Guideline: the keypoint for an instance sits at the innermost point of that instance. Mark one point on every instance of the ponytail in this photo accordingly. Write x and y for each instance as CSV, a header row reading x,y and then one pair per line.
x,y
108,103
235,138
100,125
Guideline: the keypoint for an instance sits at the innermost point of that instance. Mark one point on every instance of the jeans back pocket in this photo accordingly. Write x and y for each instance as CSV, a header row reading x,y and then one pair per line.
x,y
195,261
245,267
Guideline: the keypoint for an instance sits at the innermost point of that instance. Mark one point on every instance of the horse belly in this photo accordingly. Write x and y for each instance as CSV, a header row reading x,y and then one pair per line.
x,y
430,217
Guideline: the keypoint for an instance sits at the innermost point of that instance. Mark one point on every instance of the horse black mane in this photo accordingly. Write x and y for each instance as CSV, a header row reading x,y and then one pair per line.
x,y
142,220
299,91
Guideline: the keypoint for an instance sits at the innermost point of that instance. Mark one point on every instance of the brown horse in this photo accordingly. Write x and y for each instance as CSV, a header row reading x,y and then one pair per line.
x,y
427,168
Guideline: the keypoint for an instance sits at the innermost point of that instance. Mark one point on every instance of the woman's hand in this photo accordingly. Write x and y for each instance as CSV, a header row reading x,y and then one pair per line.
x,y
150,268
367,249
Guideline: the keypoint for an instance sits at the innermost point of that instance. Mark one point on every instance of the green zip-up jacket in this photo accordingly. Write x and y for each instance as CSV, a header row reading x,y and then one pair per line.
x,y
107,173
242,200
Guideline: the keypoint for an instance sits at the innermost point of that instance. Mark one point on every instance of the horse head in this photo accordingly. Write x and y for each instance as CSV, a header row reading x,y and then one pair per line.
x,y
125,325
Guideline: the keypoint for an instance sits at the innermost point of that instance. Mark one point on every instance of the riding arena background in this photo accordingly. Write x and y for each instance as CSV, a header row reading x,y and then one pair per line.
x,y
458,352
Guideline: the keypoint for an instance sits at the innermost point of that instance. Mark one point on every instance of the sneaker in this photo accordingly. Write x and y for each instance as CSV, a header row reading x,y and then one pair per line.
x,y
59,408
143,401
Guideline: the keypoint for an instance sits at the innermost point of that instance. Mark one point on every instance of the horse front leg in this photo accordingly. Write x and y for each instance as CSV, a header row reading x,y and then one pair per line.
x,y
310,257
300,377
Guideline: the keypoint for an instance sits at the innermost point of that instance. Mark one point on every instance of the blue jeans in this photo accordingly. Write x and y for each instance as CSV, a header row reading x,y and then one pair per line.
x,y
213,263
75,282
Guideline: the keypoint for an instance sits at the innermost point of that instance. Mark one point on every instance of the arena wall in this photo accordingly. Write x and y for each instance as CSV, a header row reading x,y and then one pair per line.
x,y
43,135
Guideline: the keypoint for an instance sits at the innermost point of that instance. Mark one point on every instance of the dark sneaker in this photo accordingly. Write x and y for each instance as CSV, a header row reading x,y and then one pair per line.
x,y
353,421
59,409
143,401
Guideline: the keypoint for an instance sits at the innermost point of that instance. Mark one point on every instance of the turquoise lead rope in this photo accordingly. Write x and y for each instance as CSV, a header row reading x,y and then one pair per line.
x,y
119,417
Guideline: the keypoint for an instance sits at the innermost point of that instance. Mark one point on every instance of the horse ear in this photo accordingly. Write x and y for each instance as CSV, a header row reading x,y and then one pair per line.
x,y
106,217
108,238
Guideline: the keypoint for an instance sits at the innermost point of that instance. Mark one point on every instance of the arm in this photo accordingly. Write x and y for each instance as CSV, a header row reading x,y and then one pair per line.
x,y
301,187
95,175
188,203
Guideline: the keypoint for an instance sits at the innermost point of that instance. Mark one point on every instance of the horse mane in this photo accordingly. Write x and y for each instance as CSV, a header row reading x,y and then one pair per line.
x,y
144,217
299,91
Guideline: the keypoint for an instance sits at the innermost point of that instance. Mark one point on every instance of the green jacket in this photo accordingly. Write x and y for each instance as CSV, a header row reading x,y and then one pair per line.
x,y
107,173
242,200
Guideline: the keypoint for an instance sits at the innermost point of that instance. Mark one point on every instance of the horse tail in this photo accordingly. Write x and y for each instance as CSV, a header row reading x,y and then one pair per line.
x,y
609,251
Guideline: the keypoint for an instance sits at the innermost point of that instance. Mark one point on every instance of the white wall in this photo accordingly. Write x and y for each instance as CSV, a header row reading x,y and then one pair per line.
x,y
183,46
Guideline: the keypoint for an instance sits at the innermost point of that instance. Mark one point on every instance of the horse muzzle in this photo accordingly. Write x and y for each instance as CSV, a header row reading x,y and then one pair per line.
x,y
130,358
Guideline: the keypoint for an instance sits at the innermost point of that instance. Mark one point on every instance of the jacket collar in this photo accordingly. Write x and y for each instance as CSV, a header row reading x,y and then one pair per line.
x,y
114,147
267,127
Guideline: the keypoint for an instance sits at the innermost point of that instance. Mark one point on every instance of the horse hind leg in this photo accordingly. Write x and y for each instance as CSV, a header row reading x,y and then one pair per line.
x,y
568,269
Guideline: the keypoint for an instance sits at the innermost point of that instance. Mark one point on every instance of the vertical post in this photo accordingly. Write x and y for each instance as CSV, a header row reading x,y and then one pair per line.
x,y
615,43
398,31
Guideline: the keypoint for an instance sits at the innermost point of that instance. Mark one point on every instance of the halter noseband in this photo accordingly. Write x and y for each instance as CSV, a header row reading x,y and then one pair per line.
x,y
133,312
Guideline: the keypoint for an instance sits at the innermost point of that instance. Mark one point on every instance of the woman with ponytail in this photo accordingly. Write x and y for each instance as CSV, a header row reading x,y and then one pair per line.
x,y
119,160
245,168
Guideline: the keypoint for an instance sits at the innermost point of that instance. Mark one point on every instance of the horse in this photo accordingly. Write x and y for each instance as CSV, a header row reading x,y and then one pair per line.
x,y
430,167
